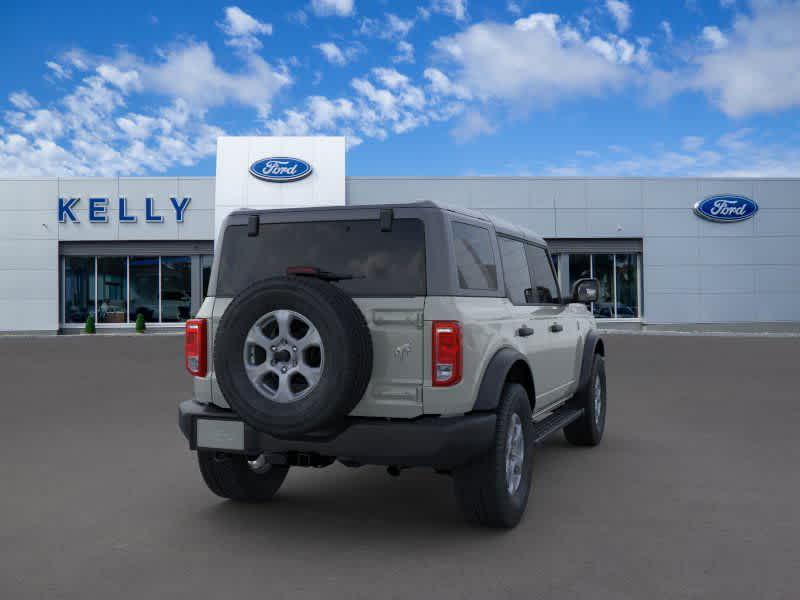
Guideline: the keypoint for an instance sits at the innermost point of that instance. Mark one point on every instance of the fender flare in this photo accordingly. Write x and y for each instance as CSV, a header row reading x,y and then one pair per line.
x,y
495,375
591,346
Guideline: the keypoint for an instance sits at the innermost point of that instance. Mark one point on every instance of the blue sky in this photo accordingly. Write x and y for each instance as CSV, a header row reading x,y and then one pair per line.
x,y
438,87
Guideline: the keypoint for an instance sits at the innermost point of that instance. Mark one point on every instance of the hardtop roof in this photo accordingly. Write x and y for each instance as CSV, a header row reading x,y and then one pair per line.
x,y
500,225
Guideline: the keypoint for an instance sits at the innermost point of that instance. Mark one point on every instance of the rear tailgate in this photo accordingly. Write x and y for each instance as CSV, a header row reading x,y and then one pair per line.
x,y
395,389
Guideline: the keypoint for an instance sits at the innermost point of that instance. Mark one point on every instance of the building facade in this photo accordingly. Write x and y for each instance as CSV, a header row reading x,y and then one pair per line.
x,y
114,248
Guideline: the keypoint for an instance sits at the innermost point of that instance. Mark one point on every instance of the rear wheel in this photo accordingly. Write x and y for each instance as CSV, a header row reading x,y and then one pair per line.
x,y
235,477
493,491
588,430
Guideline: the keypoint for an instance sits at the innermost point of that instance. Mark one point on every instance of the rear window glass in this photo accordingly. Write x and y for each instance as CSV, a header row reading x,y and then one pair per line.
x,y
384,263
474,257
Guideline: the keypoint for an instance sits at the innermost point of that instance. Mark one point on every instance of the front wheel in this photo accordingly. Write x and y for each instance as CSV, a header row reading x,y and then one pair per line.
x,y
493,491
588,430
235,477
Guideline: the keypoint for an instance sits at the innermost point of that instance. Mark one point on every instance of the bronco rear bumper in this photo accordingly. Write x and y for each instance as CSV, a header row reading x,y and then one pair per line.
x,y
426,441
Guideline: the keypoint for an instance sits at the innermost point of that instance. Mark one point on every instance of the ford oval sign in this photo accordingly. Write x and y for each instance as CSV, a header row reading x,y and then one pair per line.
x,y
726,209
280,169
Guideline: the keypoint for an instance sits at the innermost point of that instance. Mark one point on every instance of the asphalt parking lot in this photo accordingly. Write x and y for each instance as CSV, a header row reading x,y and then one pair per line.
x,y
693,494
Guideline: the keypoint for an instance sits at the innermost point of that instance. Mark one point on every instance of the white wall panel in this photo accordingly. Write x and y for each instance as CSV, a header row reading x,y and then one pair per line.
x,y
614,193
236,188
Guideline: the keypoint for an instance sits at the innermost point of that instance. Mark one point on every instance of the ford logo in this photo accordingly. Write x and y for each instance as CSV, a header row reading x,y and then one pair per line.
x,y
280,169
726,209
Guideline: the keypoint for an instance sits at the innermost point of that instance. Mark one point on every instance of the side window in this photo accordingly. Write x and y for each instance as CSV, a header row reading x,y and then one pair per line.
x,y
474,257
515,270
545,290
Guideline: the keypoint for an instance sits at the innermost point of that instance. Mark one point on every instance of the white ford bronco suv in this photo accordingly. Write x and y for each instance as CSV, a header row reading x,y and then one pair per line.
x,y
399,335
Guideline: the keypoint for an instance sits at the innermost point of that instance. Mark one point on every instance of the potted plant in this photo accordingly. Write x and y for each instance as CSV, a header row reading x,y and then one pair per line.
x,y
89,327
140,325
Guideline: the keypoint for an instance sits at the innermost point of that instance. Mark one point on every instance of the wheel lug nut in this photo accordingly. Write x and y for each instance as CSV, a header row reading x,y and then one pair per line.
x,y
283,369
274,348
294,348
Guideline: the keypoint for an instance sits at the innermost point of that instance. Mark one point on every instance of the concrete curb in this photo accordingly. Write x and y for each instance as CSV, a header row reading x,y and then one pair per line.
x,y
734,334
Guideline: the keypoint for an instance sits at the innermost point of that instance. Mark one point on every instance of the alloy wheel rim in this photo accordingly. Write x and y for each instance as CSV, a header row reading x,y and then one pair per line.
x,y
284,356
515,454
598,400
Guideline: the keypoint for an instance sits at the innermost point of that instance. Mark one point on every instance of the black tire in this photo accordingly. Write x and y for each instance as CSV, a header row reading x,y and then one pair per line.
x,y
588,430
229,476
482,487
347,360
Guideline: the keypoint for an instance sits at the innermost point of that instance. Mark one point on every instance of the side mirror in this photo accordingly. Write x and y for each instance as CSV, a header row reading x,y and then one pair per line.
x,y
586,291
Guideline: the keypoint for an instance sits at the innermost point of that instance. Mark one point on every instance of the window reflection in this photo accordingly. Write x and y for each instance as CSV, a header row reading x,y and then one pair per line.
x,y
627,300
129,286
144,288
176,288
618,275
111,289
78,288
603,270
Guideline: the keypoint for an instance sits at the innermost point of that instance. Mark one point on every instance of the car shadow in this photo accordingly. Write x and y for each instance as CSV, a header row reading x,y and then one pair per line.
x,y
362,504
366,504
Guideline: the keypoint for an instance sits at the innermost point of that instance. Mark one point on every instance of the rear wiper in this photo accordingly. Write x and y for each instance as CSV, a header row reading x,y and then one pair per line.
x,y
320,274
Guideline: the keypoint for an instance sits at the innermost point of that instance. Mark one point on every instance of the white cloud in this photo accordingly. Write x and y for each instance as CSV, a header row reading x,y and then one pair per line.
x,y
59,71
621,11
758,70
405,53
339,8
473,124
22,100
391,27
398,27
298,16
336,55
514,8
619,50
127,80
666,27
536,60
715,37
243,29
91,130
692,143
735,154
453,8
441,84
385,101
191,72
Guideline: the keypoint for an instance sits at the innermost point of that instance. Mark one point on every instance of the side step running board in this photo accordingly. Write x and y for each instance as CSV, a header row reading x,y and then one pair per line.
x,y
559,419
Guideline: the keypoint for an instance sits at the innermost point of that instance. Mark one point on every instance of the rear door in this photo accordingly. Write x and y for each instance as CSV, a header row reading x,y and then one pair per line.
x,y
382,269
554,363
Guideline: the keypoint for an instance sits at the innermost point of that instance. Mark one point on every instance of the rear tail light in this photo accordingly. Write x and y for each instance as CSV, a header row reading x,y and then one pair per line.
x,y
195,348
446,353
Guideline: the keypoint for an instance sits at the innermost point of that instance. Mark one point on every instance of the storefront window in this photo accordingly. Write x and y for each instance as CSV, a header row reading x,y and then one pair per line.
x,y
176,288
603,271
627,280
580,267
112,280
144,288
78,288
205,266
618,275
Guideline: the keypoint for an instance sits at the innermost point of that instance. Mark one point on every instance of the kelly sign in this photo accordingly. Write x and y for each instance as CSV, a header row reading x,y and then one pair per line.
x,y
99,209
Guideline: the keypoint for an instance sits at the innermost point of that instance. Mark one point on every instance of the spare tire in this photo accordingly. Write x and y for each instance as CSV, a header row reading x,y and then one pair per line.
x,y
293,355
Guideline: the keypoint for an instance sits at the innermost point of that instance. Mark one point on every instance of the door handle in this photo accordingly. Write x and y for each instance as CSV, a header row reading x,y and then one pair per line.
x,y
524,331
556,327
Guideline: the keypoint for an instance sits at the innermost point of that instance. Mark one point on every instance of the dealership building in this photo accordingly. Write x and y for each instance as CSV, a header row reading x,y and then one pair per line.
x,y
669,253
